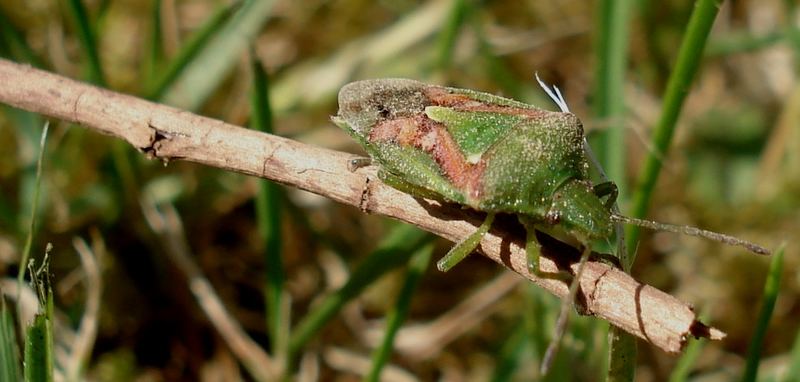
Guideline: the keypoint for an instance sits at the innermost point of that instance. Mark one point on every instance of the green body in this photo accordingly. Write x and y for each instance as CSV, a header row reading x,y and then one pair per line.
x,y
509,157
494,155
490,153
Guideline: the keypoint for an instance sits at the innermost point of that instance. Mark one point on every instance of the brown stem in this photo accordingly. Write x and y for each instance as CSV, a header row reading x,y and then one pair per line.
x,y
167,133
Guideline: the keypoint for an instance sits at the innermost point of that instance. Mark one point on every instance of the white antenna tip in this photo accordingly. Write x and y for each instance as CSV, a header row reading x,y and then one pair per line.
x,y
554,94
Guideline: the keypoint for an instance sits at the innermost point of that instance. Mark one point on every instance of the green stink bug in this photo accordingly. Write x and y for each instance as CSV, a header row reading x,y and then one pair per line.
x,y
494,155
489,153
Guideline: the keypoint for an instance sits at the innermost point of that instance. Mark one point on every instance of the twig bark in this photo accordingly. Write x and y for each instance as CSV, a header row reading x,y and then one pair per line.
x,y
167,133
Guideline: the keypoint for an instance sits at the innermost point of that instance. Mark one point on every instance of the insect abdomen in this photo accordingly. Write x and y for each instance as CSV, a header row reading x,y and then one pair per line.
x,y
526,167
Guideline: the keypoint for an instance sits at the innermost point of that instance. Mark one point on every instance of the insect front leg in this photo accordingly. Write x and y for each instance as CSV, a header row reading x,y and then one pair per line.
x,y
533,252
607,188
357,163
466,246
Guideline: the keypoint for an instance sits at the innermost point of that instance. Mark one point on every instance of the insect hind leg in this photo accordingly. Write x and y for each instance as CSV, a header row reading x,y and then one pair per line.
x,y
466,246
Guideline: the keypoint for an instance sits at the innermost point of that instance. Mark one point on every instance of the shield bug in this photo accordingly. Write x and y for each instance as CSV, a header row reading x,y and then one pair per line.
x,y
491,154
494,155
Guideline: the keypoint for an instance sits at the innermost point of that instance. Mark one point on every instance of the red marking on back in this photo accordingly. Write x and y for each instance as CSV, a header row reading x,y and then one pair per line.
x,y
432,137
442,97
423,133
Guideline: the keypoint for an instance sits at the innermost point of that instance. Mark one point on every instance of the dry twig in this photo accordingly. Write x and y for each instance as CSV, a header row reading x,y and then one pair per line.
x,y
167,133
87,331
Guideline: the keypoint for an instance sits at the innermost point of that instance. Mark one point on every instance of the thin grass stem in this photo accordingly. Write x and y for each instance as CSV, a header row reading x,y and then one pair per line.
x,y
86,35
770,295
686,66
416,268
269,214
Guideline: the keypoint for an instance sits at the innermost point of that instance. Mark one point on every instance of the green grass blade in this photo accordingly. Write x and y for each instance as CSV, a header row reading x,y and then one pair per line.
x,y
268,212
13,44
622,355
688,358
80,20
39,334
498,71
536,320
743,41
102,9
688,61
792,32
449,34
26,251
193,46
510,355
376,53
393,251
600,359
9,357
416,268
261,110
38,350
771,289
612,58
155,51
28,128
125,169
218,57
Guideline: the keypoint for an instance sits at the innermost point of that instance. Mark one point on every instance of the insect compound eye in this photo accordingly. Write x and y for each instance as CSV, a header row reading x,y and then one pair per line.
x,y
383,111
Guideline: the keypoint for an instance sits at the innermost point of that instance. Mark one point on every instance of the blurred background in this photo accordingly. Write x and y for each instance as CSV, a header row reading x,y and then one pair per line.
x,y
306,286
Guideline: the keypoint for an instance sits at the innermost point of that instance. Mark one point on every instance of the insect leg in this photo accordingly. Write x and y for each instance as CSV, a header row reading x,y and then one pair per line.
x,y
357,163
607,188
532,248
563,315
465,247
533,251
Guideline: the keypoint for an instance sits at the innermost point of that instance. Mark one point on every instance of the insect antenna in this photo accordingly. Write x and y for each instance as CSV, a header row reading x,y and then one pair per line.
x,y
693,231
